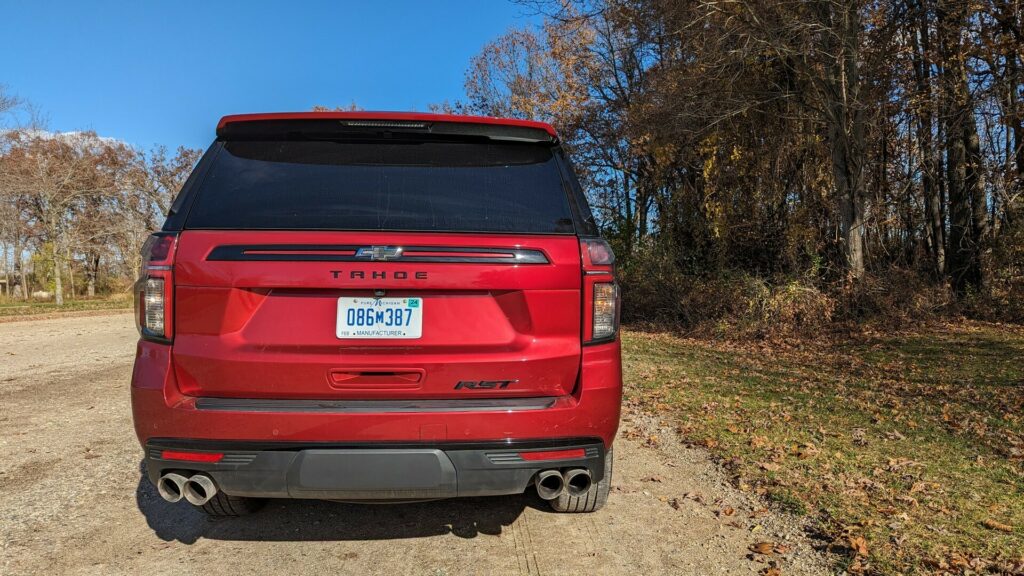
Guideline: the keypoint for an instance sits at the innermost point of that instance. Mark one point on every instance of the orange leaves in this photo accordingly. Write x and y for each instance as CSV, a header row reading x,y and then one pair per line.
x,y
996,525
858,545
758,441
766,548
805,450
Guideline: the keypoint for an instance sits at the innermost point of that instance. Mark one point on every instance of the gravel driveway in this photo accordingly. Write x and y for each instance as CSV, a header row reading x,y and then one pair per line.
x,y
73,501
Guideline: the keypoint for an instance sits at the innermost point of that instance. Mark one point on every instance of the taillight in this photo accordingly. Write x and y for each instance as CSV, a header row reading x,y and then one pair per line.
x,y
606,303
600,253
154,291
601,293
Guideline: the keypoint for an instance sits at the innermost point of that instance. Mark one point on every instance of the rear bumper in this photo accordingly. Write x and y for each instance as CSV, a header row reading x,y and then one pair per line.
x,y
162,412
378,472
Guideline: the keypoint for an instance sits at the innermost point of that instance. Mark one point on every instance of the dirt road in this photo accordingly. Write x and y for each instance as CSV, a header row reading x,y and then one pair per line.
x,y
73,501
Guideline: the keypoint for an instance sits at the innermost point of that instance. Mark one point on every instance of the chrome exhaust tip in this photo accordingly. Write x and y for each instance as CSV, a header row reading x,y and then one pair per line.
x,y
171,486
550,484
578,481
199,489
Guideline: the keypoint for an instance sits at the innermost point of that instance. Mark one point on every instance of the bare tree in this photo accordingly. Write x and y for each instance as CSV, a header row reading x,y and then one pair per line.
x,y
54,175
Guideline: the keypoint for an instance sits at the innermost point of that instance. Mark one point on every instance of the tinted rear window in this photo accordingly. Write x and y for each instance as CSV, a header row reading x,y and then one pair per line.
x,y
410,185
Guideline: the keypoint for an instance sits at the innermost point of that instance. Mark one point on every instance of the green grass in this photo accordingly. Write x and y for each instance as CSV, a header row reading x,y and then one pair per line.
x,y
10,307
912,441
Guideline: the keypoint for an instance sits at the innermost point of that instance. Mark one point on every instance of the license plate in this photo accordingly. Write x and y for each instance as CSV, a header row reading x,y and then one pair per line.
x,y
380,318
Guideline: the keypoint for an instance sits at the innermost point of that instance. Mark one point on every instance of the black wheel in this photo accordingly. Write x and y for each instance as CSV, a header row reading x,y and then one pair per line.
x,y
593,499
223,505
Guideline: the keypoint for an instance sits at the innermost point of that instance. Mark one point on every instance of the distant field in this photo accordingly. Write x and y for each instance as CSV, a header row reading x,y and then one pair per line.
x,y
11,307
908,448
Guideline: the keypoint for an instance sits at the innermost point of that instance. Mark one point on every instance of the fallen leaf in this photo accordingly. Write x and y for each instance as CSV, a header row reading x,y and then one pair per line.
x,y
996,525
728,511
805,451
758,441
908,500
858,544
766,548
758,513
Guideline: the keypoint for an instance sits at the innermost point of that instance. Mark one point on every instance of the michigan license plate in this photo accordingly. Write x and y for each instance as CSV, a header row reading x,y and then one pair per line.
x,y
380,318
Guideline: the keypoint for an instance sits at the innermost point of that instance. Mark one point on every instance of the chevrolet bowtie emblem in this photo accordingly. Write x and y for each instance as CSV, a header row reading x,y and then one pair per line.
x,y
379,253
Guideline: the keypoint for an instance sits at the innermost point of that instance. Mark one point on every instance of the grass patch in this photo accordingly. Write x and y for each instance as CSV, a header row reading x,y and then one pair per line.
x,y
10,307
913,441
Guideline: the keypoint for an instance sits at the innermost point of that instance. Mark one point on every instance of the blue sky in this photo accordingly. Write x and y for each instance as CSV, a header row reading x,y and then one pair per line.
x,y
164,72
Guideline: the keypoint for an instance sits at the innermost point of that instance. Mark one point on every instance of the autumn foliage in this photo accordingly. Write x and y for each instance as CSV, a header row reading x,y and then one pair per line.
x,y
786,165
75,209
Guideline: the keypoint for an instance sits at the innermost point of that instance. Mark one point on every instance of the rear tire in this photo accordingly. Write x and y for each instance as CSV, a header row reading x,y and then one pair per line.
x,y
225,506
593,499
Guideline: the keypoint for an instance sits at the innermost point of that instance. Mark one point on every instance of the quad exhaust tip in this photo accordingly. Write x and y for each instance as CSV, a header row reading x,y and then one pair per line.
x,y
550,484
197,489
577,481
171,486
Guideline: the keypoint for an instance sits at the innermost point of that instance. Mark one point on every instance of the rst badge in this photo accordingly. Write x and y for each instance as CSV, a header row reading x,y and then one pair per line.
x,y
484,384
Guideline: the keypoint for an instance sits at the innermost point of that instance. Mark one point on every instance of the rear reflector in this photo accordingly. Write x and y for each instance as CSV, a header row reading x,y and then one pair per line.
x,y
554,454
192,456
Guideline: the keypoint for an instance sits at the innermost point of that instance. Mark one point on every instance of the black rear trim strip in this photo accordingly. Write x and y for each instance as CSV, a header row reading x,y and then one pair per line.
x,y
373,406
327,253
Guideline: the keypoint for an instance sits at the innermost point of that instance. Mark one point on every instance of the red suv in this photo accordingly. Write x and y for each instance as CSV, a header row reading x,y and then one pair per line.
x,y
378,306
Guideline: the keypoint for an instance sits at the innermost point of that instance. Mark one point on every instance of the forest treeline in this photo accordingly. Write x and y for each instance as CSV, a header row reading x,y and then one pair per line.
x,y
758,165
75,208
785,163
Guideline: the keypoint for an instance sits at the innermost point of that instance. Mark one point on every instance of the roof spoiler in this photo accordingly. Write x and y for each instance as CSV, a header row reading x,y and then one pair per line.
x,y
303,125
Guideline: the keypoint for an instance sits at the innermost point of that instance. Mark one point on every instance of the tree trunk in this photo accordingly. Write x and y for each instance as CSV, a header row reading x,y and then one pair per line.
x,y
92,267
935,232
7,273
960,237
71,273
22,277
58,288
846,129
851,213
975,183
963,156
